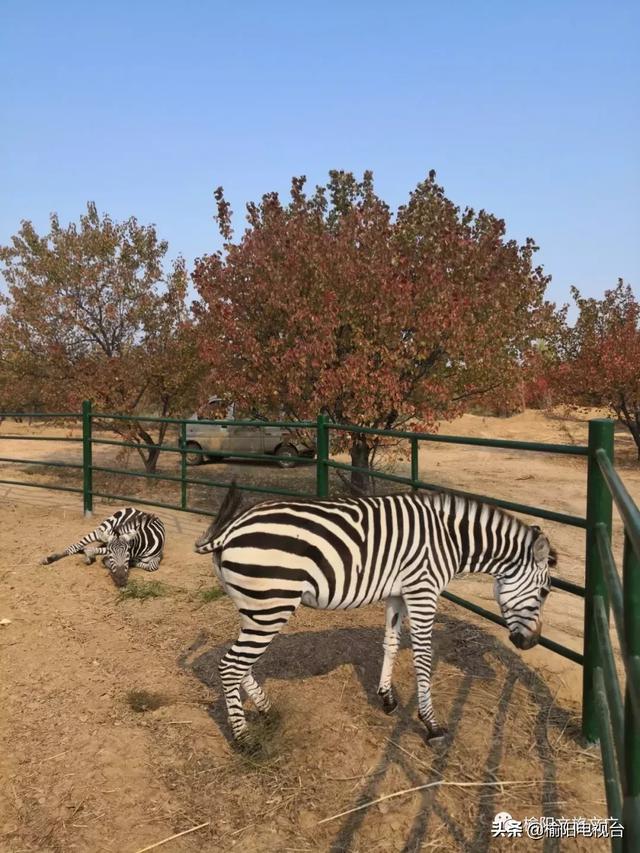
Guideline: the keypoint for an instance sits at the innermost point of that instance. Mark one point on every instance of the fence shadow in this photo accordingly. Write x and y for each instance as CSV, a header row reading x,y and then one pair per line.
x,y
475,654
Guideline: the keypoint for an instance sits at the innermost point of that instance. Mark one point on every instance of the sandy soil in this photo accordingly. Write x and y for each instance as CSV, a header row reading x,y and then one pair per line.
x,y
84,771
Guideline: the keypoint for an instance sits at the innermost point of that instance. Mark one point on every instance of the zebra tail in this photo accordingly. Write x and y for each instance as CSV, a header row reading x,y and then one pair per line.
x,y
226,513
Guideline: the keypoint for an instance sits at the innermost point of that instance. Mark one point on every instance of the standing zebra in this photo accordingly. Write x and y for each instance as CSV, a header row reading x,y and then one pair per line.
x,y
127,538
338,554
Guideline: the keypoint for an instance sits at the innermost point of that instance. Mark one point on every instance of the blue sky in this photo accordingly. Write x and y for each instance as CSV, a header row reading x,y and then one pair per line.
x,y
528,110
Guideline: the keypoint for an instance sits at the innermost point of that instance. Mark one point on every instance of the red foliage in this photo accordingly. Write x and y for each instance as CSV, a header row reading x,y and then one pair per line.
x,y
537,382
90,314
600,356
331,303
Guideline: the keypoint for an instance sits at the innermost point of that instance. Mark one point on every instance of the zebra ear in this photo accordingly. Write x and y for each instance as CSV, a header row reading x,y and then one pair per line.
x,y
541,549
127,537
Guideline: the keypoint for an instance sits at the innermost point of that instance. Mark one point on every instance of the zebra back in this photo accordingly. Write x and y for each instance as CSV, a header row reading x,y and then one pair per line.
x,y
147,535
352,551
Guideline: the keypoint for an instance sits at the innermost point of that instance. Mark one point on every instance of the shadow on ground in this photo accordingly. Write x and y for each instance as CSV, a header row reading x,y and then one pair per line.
x,y
476,655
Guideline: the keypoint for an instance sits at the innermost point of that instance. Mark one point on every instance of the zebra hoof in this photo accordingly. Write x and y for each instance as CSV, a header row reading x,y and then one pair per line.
x,y
389,703
437,735
246,744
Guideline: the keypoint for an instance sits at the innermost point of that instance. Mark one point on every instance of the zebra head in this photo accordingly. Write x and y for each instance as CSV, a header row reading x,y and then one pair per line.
x,y
522,589
117,559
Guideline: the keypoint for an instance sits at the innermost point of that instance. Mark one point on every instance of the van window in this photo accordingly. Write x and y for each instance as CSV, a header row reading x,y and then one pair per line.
x,y
214,411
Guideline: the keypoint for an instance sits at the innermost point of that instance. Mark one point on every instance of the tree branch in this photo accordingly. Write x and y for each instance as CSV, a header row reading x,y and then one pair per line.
x,y
476,392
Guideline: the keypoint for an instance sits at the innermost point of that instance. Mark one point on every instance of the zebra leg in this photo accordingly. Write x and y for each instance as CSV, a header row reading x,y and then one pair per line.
x,y
256,632
95,536
256,693
150,565
395,611
52,558
90,554
421,607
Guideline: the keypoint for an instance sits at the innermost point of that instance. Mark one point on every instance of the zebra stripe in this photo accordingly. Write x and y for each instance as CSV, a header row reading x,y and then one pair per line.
x,y
127,538
339,554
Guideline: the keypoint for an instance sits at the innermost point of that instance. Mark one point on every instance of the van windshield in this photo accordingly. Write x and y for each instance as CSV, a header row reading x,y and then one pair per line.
x,y
216,410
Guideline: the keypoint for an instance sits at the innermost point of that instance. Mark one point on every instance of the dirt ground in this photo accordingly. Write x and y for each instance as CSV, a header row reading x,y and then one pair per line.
x,y
83,770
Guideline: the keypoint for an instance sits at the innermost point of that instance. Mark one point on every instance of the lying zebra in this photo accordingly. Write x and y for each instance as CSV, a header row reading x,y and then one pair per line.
x,y
337,554
127,538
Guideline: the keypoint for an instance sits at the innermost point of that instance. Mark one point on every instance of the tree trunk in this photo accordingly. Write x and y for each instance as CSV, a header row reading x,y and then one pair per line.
x,y
631,419
149,455
635,432
151,460
360,458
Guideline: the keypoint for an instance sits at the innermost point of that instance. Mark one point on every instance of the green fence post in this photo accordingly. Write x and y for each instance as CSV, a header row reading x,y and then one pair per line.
x,y
183,465
631,804
598,511
415,464
322,457
87,458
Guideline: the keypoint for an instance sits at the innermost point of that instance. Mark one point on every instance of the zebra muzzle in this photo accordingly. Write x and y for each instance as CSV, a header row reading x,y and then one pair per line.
x,y
120,577
524,641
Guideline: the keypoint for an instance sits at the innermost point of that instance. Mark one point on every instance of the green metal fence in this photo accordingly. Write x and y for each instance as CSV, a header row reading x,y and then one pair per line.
x,y
618,725
603,716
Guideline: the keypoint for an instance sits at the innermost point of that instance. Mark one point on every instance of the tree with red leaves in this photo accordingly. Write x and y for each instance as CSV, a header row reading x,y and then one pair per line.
x,y
599,357
330,303
536,387
91,314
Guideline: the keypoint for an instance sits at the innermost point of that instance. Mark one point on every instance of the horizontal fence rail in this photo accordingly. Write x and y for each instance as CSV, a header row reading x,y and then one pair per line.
x,y
45,462
39,438
610,712
322,428
63,416
576,657
76,489
536,512
297,425
505,444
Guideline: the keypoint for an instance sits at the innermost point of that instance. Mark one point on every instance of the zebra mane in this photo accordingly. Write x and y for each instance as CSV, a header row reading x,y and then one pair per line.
x,y
446,497
449,497
453,496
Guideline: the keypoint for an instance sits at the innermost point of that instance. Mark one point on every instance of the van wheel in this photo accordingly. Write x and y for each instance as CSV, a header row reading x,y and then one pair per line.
x,y
284,452
194,458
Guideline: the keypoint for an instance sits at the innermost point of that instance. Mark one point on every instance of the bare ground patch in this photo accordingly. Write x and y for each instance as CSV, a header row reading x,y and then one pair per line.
x,y
86,771
83,770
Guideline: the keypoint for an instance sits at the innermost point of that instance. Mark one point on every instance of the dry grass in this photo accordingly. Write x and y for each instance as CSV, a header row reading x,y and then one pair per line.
x,y
208,594
143,590
144,700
